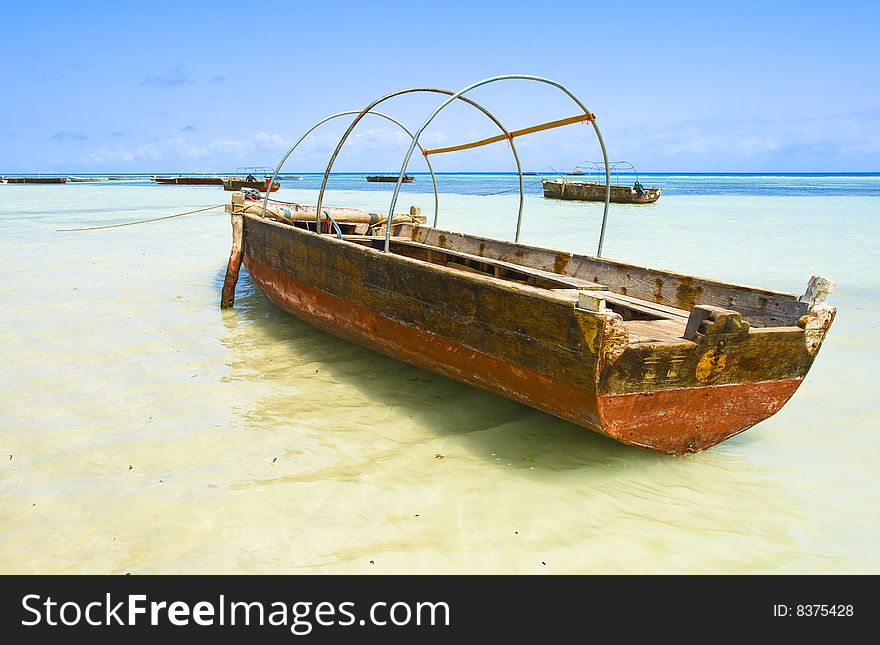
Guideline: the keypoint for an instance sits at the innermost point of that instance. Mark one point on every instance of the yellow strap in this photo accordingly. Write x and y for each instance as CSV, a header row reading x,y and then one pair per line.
x,y
515,133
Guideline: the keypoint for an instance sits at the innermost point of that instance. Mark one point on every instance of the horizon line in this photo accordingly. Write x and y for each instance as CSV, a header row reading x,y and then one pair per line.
x,y
461,172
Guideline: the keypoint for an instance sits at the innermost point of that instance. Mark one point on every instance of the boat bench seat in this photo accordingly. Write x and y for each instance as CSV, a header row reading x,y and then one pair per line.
x,y
563,281
645,306
646,321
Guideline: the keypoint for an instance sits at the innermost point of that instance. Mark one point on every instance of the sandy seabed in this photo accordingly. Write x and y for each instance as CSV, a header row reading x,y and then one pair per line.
x,y
145,431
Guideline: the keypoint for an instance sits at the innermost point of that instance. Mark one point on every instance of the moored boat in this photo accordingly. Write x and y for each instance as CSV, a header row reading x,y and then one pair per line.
x,y
30,179
189,181
194,178
649,357
593,189
247,177
81,180
390,179
235,183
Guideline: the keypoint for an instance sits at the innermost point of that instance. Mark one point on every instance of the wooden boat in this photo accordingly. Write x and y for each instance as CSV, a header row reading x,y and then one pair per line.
x,y
246,177
35,180
189,180
591,191
236,183
80,180
390,179
648,357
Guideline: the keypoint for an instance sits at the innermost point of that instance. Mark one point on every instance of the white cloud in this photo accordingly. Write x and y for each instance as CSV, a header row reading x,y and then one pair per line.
x,y
266,141
777,141
103,156
845,141
181,148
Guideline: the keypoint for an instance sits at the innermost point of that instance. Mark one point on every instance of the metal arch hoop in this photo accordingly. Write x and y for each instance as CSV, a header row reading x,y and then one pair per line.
x,y
367,110
493,79
617,167
336,116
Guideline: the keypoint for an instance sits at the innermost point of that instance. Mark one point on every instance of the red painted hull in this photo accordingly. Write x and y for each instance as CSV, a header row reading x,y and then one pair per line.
x,y
669,421
691,419
423,349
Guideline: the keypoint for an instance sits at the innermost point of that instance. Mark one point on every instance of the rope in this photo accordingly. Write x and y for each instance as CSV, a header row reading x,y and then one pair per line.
x,y
382,222
143,221
511,190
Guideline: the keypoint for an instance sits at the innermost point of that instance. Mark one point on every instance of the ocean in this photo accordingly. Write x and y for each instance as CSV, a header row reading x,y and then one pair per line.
x,y
144,430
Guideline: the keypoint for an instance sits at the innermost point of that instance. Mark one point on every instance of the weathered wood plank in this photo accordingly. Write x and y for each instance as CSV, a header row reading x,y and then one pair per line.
x,y
561,280
534,332
227,298
760,307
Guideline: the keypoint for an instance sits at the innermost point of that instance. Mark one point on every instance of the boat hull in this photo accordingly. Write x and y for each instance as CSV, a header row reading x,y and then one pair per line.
x,y
388,179
560,359
36,180
189,181
594,192
238,184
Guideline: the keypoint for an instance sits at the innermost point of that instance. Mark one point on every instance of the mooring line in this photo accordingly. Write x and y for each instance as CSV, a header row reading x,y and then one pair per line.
x,y
143,221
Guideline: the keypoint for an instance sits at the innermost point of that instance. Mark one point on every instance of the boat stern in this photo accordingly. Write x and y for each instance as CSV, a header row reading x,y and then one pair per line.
x,y
721,379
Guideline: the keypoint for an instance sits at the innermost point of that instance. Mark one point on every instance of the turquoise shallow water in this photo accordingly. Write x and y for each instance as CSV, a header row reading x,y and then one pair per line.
x,y
144,430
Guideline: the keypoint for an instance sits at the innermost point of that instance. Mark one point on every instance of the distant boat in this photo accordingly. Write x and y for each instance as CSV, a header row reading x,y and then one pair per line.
x,y
246,177
78,180
389,179
35,180
594,191
591,191
123,178
189,180
236,183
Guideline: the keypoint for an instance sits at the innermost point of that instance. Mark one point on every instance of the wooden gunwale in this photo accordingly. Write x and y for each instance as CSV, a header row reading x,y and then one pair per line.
x,y
761,307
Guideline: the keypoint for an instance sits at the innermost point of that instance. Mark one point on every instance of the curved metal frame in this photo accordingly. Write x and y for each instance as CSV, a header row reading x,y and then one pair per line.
x,y
493,79
594,166
452,96
336,116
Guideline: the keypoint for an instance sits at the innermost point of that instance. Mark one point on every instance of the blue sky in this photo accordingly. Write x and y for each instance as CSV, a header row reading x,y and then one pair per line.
x,y
676,86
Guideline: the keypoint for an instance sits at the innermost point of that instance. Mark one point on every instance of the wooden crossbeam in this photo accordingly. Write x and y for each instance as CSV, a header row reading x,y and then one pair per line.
x,y
514,133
